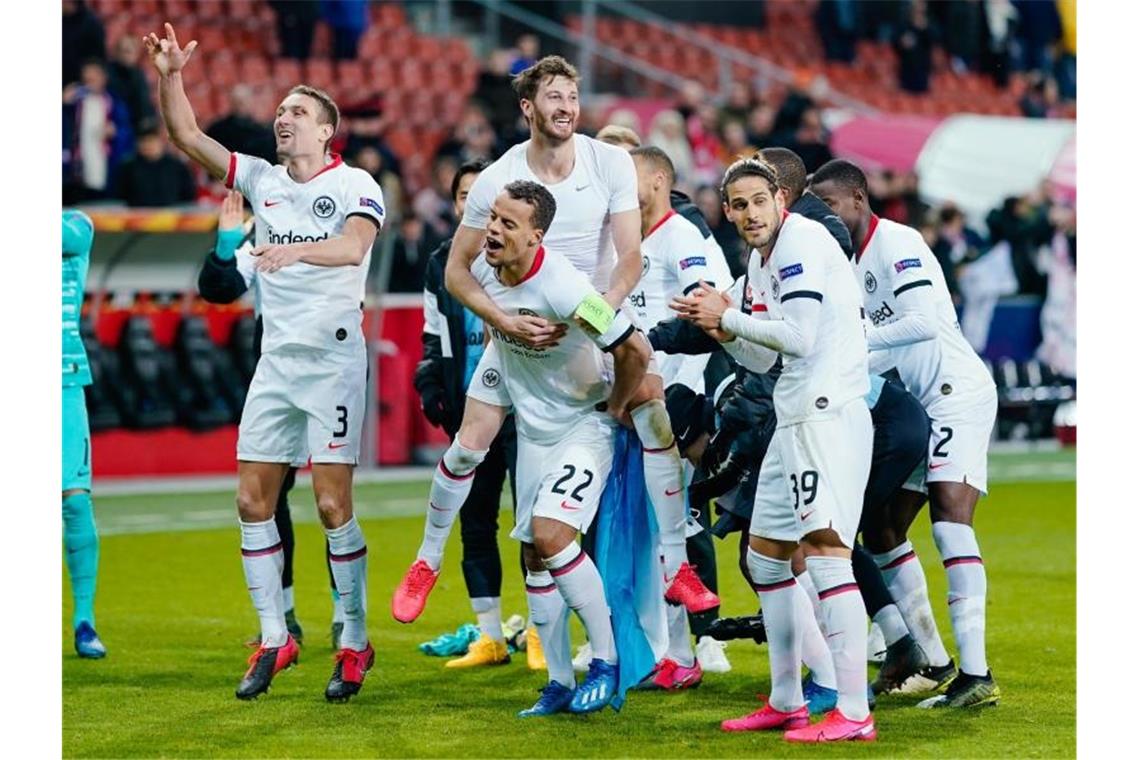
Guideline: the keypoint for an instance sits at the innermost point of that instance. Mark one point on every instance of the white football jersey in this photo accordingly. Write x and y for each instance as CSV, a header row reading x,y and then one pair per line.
x,y
551,389
806,262
305,304
894,259
602,182
674,260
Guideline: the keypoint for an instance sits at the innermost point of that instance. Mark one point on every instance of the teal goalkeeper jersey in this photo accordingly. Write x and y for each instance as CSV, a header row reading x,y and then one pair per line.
x,y
78,233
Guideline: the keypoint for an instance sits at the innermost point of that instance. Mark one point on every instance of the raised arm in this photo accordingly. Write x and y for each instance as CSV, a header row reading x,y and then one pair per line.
x,y
177,112
626,226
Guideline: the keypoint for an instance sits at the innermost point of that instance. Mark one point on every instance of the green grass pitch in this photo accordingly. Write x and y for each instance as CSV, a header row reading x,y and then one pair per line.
x,y
173,610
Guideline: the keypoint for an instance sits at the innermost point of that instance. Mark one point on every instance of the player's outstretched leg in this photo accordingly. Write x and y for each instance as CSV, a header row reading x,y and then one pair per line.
x,y
952,507
664,479
845,623
776,587
81,544
551,619
262,559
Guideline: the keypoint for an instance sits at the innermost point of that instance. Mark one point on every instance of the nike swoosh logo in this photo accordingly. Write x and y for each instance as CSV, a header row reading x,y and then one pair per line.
x,y
806,515
437,509
580,189
672,493
940,464
337,445
833,635
570,507
271,204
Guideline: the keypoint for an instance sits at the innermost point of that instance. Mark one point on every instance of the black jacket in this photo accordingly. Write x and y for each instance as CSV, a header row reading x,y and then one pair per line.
x,y
686,208
221,282
439,377
813,208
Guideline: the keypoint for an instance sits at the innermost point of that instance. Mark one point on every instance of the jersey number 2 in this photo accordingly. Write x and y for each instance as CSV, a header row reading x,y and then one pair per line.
x,y
938,450
571,471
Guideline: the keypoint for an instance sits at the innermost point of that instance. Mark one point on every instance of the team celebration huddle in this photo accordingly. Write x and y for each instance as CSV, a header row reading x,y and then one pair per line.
x,y
816,404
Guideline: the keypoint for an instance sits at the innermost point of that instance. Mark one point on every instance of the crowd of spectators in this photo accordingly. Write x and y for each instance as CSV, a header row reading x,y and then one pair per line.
x,y
115,150
999,38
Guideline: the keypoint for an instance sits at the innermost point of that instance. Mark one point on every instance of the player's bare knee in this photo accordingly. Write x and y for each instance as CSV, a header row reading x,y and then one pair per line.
x,y
532,559
651,389
333,509
460,459
799,563
252,506
824,543
551,536
953,502
481,423
770,548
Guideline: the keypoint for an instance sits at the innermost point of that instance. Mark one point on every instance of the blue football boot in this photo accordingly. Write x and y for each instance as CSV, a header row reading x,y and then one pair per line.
x,y
555,699
87,643
598,689
820,699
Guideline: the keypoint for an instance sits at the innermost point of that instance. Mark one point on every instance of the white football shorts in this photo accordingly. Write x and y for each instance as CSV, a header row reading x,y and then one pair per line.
x,y
813,476
304,403
564,480
960,429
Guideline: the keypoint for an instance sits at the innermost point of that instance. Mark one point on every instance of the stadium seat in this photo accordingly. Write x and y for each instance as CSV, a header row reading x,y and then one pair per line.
x,y
149,371
200,399
104,395
241,348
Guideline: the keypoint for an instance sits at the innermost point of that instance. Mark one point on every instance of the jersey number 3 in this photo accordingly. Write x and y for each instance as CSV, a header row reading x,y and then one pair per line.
x,y
342,420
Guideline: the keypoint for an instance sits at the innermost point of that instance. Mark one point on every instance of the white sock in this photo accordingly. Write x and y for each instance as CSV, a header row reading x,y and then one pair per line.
x,y
450,486
815,653
907,583
845,625
490,616
958,545
773,581
891,623
262,558
287,595
580,584
664,480
338,607
813,596
551,618
349,558
680,649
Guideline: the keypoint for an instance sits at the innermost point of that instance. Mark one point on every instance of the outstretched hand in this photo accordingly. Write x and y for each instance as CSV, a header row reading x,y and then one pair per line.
x,y
165,53
231,216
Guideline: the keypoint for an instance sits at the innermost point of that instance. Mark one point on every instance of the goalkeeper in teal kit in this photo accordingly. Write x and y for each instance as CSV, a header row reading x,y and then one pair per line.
x,y
79,537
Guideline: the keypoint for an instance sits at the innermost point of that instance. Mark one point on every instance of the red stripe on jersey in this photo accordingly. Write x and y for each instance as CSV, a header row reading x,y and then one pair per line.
x,y
336,161
231,173
539,255
867,240
759,307
660,222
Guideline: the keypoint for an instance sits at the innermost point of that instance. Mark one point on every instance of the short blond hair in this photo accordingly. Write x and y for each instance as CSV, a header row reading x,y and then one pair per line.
x,y
616,134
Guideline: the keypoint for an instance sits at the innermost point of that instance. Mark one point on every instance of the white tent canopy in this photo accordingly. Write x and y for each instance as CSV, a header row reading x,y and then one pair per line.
x,y
978,161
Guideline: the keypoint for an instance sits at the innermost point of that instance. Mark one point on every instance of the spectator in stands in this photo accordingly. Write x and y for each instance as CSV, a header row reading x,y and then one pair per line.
x,y
955,244
738,105
914,45
296,21
691,98
704,139
667,132
364,127
809,140
97,135
410,255
526,54
153,177
240,131
431,203
914,207
761,121
494,94
1001,20
128,82
707,199
735,143
83,38
1040,98
1026,228
348,20
837,23
1038,28
963,21
473,139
